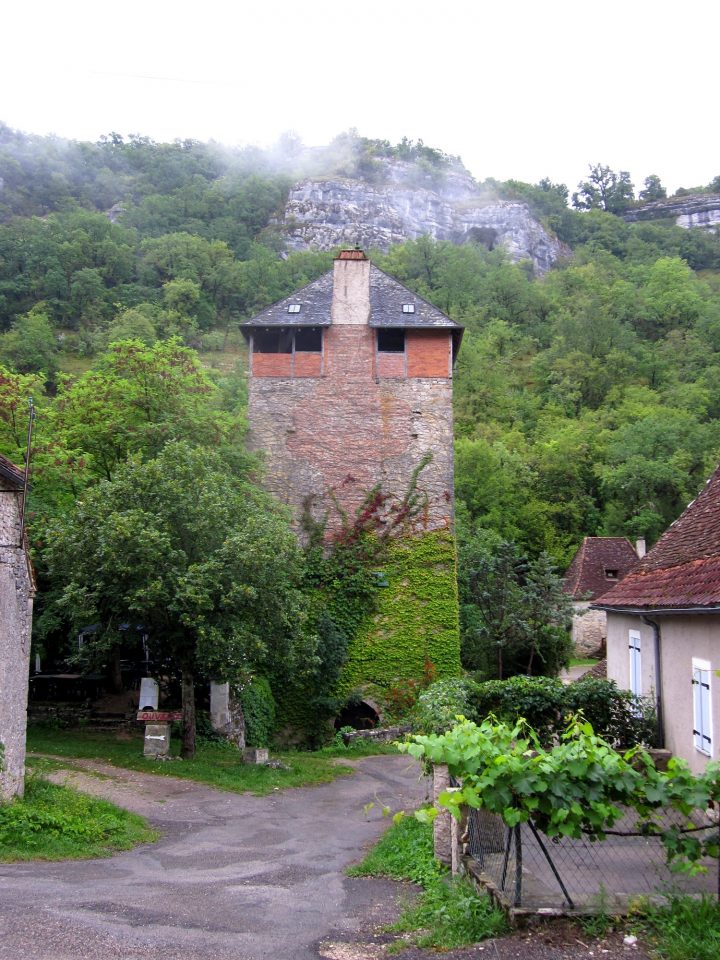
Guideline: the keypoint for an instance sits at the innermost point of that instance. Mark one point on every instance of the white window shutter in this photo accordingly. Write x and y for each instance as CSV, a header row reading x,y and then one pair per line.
x,y
635,645
702,713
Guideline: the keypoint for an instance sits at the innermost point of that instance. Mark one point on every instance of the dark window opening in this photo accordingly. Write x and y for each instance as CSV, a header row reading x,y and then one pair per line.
x,y
391,341
308,340
272,341
611,574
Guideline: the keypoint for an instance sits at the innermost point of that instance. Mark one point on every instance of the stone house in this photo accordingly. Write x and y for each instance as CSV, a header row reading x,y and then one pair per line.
x,y
17,589
599,564
351,392
664,630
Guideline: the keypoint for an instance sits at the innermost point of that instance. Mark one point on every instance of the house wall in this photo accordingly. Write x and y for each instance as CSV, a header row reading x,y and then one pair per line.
x,y
682,639
15,626
589,628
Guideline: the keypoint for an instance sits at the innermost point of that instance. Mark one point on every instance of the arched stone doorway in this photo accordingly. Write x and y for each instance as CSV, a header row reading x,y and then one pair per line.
x,y
360,715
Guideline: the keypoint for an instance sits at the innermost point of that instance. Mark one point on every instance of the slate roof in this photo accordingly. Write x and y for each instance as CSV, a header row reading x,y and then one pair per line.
x,y
387,296
586,577
682,571
314,299
11,473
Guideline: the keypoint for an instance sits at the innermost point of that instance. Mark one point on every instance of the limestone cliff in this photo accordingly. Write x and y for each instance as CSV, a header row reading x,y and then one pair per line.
x,y
404,201
696,210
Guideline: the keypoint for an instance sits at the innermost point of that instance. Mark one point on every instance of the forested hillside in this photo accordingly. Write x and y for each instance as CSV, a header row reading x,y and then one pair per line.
x,y
586,400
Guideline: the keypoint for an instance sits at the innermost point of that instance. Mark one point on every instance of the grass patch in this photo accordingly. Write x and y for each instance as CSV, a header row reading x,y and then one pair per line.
x,y
449,913
686,928
404,852
216,764
56,823
583,661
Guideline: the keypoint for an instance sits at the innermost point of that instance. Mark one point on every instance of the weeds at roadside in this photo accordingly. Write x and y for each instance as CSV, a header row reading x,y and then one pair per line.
x,y
686,929
56,823
449,912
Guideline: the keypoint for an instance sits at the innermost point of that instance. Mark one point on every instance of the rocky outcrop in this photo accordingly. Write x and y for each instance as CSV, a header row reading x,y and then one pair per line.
x,y
406,201
697,210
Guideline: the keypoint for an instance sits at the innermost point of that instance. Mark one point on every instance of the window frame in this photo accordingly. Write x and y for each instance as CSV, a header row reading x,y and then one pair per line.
x,y
702,732
385,332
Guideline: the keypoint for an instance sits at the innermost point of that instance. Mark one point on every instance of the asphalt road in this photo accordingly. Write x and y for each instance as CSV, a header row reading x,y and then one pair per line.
x,y
234,877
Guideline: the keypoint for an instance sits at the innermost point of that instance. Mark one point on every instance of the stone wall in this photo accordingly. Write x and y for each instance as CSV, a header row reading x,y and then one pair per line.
x,y
16,598
342,433
589,629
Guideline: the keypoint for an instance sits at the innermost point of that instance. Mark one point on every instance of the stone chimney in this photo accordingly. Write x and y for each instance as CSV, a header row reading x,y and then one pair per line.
x,y
351,289
640,547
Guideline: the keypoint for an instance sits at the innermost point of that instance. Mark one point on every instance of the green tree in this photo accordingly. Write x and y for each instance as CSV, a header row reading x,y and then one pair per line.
x,y
515,617
654,190
138,399
205,561
604,190
30,345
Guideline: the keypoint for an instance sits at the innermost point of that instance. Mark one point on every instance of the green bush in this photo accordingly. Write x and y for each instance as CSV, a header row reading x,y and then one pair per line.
x,y
545,702
618,715
258,706
540,700
439,705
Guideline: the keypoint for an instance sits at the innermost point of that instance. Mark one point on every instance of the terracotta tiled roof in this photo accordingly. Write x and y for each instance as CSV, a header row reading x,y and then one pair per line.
x,y
683,568
599,564
597,672
8,471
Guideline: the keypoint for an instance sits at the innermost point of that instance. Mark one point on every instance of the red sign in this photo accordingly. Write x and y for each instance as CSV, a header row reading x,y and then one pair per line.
x,y
159,716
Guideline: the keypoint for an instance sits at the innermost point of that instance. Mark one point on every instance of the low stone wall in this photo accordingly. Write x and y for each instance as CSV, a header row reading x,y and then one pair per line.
x,y
379,735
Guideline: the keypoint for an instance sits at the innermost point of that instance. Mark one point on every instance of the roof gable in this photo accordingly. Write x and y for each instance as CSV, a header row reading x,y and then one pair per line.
x,y
587,577
683,568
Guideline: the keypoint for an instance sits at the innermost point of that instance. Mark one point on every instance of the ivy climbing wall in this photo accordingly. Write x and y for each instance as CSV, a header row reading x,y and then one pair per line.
x,y
415,623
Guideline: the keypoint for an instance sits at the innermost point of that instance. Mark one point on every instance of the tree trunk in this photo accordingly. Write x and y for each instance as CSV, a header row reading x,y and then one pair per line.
x,y
187,750
116,681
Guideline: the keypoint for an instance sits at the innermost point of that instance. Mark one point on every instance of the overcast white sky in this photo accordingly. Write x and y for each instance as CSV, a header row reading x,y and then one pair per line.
x,y
519,89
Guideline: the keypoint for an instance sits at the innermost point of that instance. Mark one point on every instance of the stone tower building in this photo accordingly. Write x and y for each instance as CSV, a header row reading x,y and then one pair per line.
x,y
351,392
351,386
17,589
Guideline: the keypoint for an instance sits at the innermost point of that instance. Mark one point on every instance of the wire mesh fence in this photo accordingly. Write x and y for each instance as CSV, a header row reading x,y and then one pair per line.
x,y
528,869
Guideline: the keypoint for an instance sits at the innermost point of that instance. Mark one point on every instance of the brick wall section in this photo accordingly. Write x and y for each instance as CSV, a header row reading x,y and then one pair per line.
x,y
308,364
391,365
15,624
348,430
272,364
429,353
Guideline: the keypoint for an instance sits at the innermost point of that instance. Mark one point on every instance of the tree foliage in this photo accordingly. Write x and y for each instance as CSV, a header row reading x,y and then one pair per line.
x,y
200,558
515,616
605,190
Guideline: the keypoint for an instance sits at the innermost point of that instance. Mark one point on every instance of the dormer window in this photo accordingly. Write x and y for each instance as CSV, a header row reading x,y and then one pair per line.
x,y
408,308
294,308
